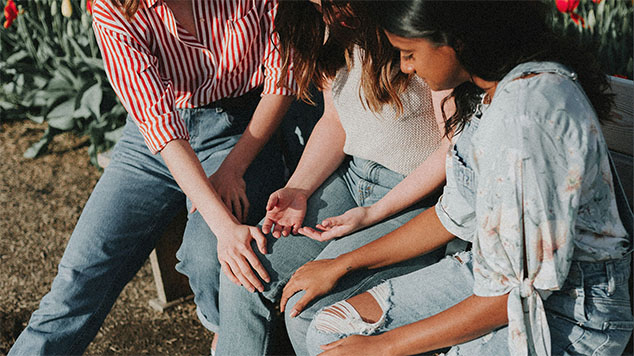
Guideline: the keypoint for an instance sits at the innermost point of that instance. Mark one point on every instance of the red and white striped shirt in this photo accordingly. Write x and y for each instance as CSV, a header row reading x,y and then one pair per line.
x,y
156,66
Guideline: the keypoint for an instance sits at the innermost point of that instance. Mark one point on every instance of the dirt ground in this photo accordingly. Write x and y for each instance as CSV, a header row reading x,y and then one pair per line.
x,y
40,202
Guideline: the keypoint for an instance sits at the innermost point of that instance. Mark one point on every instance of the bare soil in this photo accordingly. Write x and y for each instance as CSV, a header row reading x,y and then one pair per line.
x,y
40,202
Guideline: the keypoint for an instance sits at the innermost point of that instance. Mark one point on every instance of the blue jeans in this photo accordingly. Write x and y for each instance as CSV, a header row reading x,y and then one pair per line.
x,y
130,206
590,316
246,319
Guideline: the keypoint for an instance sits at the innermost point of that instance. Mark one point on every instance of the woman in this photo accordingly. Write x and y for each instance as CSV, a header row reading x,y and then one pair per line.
x,y
190,74
528,183
347,189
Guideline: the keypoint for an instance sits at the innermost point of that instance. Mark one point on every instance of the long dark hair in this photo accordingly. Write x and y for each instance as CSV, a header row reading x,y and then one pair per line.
x,y
316,57
491,38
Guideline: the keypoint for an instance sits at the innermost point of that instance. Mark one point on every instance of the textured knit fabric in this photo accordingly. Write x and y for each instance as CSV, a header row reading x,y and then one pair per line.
x,y
398,142
156,66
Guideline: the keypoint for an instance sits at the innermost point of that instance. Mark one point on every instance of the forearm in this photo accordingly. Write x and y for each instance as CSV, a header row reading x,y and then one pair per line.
x,y
424,233
467,320
424,180
190,176
267,117
323,152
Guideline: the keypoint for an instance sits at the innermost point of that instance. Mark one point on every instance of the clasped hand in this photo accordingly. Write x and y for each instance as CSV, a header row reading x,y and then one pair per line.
x,y
237,259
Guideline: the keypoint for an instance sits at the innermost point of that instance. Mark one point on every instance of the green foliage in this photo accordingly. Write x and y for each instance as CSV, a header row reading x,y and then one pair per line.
x,y
609,26
52,72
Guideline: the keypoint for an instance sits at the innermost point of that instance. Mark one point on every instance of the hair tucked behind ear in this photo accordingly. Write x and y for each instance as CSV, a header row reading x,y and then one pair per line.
x,y
491,38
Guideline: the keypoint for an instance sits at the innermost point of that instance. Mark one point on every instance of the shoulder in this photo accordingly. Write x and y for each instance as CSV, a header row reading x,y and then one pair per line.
x,y
107,17
543,99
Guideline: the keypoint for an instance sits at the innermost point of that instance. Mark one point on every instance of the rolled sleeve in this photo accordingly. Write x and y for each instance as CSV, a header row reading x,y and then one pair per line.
x,y
133,74
453,211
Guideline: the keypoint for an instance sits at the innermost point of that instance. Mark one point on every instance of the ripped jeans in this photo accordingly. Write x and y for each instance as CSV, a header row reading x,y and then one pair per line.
x,y
600,287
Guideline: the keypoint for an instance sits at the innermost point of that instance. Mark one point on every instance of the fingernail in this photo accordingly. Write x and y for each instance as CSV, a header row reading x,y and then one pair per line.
x,y
294,313
251,290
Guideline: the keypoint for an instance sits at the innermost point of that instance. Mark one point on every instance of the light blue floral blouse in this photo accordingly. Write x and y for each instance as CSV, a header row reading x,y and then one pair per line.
x,y
529,177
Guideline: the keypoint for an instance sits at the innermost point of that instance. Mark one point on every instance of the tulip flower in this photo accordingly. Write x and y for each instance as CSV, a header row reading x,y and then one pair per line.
x,y
569,7
67,8
89,6
10,13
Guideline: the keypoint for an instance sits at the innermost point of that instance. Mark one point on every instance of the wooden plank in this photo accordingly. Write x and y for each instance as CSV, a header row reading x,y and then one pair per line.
x,y
171,286
619,131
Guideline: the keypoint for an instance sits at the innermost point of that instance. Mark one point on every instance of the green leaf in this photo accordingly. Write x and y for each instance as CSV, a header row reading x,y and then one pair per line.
x,y
40,146
92,99
16,57
61,117
114,135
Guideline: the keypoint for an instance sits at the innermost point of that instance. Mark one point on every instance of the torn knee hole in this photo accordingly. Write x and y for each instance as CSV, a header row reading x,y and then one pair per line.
x,y
343,318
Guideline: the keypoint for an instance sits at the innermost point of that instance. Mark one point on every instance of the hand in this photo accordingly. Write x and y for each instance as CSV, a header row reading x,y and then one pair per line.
x,y
232,189
285,209
337,226
358,345
238,260
316,278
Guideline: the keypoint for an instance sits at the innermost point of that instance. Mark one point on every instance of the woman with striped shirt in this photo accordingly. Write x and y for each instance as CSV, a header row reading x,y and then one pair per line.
x,y
190,74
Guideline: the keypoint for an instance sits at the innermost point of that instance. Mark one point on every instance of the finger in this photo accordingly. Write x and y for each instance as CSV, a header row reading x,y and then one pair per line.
x,y
273,199
266,225
289,290
310,232
260,240
227,270
301,303
259,268
247,272
322,227
244,201
240,274
236,207
286,230
277,231
332,221
296,228
193,209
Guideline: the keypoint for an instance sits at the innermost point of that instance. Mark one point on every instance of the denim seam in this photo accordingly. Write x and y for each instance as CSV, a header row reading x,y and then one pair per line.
x,y
91,320
599,349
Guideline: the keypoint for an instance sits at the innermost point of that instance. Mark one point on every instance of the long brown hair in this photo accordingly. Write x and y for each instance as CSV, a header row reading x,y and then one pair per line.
x,y
318,44
127,7
491,38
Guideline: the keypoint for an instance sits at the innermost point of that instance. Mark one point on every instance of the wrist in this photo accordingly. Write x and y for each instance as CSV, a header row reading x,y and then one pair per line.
x,y
374,214
298,188
343,264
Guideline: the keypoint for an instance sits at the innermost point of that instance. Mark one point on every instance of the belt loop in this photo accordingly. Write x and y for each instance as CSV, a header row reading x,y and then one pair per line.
x,y
609,270
580,301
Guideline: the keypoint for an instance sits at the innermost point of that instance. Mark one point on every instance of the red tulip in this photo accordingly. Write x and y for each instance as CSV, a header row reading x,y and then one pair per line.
x,y
567,6
10,13
89,6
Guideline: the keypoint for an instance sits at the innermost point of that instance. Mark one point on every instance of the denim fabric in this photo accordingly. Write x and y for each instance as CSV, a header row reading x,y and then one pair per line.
x,y
246,319
589,316
130,206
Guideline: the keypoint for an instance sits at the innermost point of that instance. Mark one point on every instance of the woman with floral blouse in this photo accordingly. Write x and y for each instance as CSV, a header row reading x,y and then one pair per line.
x,y
528,184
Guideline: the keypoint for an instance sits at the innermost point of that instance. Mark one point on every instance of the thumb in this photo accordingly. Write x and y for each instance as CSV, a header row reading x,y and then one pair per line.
x,y
273,200
260,239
